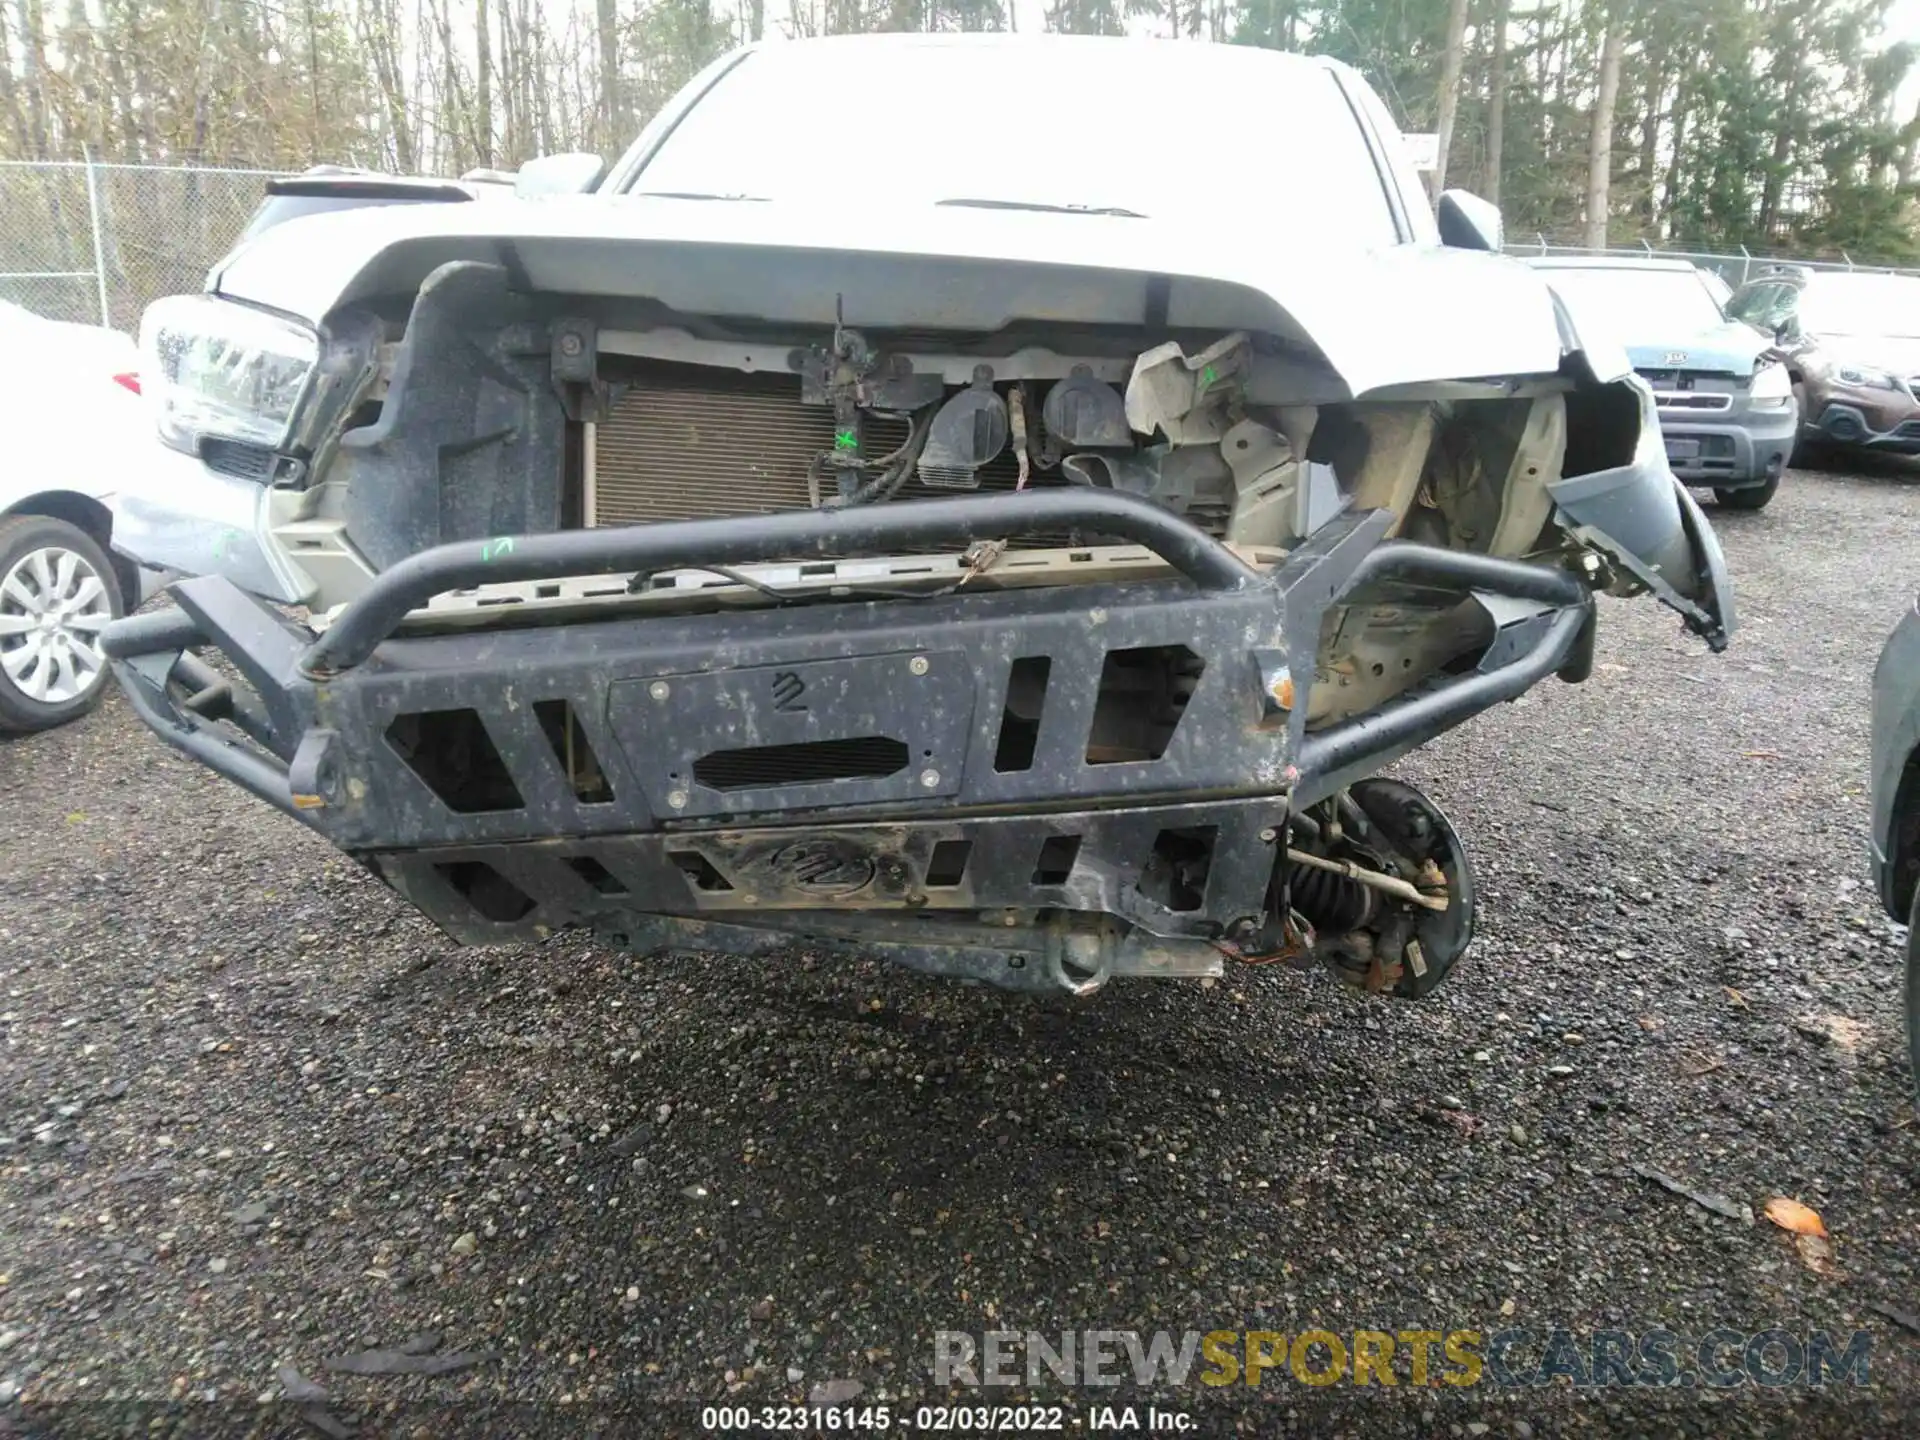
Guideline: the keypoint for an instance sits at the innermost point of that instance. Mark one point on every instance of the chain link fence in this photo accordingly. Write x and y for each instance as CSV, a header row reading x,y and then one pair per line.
x,y
96,243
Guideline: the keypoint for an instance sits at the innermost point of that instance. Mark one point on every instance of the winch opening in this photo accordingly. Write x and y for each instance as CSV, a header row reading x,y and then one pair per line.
x,y
812,762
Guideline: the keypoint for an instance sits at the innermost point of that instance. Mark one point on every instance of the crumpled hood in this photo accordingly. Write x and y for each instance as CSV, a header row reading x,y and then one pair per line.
x,y
953,268
1730,348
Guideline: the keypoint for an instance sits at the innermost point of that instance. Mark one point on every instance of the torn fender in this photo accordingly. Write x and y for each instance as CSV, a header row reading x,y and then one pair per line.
x,y
1645,519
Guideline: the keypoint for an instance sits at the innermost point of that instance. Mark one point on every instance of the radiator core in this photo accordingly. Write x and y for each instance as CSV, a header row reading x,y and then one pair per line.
x,y
690,442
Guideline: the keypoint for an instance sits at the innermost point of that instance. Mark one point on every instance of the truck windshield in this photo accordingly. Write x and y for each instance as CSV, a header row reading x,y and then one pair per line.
x,y
1115,132
1643,307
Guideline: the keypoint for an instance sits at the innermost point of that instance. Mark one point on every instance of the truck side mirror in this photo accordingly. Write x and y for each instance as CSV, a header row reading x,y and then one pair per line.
x,y
572,173
1469,223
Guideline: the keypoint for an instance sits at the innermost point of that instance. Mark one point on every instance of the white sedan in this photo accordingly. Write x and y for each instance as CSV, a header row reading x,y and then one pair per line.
x,y
71,410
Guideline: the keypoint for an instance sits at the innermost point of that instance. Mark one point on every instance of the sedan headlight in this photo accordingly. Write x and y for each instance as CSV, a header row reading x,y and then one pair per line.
x,y
216,369
1772,389
1867,377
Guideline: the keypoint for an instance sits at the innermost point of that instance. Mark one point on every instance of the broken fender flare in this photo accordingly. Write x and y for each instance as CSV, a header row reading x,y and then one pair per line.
x,y
1646,520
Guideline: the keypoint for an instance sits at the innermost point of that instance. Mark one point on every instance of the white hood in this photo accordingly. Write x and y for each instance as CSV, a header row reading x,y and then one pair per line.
x,y
1396,315
1898,355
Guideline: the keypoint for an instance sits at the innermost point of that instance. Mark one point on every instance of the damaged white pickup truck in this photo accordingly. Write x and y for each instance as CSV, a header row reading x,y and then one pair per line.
x,y
1009,551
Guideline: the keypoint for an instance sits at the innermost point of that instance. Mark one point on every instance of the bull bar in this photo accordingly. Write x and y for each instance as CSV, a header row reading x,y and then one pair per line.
x,y
662,849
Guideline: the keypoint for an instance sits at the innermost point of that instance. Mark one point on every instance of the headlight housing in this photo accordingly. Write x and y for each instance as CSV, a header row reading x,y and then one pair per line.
x,y
1867,377
1772,389
219,370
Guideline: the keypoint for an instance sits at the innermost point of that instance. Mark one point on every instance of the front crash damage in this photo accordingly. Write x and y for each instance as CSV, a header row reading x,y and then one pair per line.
x,y
917,586
1037,788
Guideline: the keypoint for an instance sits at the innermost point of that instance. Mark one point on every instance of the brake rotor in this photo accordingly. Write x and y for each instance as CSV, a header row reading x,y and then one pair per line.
x,y
1420,831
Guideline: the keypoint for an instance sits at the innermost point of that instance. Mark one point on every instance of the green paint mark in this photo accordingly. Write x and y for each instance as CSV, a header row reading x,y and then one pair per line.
x,y
494,549
223,544
845,440
1207,377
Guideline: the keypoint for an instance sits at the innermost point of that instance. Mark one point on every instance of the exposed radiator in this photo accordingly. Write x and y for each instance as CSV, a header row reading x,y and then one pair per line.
x,y
729,444
687,442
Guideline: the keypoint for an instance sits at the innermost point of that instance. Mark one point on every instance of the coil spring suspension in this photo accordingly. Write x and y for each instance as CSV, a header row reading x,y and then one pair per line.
x,y
1332,903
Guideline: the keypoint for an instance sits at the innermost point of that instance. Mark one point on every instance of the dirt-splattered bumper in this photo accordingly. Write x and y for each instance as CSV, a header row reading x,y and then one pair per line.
x,y
883,772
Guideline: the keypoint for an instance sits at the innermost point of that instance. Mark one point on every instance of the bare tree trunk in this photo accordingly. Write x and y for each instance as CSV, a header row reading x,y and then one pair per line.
x,y
533,57
540,94
610,115
1656,94
453,105
212,33
1497,102
510,62
81,112
140,74
483,101
120,24
1600,141
379,23
9,96
313,88
33,50
1682,101
418,89
1449,98
1771,187
1910,155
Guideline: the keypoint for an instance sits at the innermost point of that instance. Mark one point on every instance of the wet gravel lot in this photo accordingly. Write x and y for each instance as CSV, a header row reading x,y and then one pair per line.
x,y
255,1113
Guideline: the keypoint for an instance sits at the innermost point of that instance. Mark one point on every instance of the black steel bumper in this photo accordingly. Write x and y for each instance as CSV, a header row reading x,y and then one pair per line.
x,y
925,680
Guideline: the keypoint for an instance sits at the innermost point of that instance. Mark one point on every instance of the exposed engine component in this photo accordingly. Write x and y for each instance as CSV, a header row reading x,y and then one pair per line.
x,y
1384,881
884,474
1185,397
967,432
1083,412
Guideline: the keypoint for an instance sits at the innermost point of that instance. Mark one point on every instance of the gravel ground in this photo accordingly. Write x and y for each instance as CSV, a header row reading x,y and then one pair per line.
x,y
254,1112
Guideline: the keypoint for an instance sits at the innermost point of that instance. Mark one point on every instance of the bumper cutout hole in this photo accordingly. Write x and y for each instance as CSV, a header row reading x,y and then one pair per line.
x,y
1143,695
603,880
495,897
1175,874
1020,719
577,760
455,757
948,863
1055,862
699,870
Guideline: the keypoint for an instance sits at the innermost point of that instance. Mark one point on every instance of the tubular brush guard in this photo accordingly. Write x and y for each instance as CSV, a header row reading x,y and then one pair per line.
x,y
840,773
